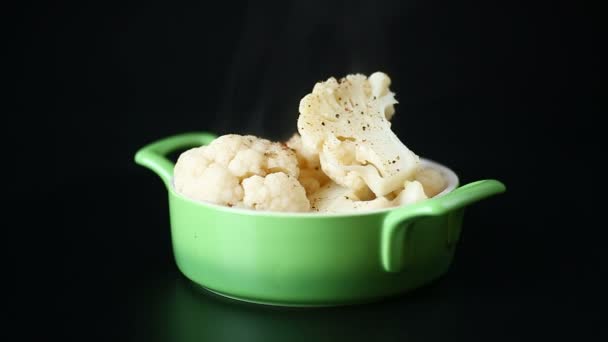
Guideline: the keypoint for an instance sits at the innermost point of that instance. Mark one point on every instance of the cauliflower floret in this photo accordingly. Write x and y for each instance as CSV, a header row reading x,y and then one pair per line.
x,y
276,192
311,175
312,179
195,173
307,158
336,154
380,83
347,124
214,173
432,181
411,193
334,198
256,156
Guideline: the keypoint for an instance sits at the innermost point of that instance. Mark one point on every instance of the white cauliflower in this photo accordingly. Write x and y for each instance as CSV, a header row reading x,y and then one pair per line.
x,y
347,124
307,158
215,172
335,155
432,181
334,198
344,159
411,193
275,192
311,176
312,179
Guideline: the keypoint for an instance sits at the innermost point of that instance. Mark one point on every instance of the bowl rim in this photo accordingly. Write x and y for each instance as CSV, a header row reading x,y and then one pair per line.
x,y
449,174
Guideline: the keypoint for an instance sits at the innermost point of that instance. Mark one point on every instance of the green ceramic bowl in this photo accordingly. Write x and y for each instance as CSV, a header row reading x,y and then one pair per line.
x,y
311,259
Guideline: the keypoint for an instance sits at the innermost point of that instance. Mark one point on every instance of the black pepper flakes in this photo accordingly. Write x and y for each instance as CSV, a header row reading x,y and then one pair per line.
x,y
348,121
337,116
361,112
322,123
363,128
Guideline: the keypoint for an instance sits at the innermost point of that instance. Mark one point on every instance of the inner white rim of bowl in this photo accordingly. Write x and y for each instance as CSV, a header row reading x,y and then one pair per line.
x,y
447,173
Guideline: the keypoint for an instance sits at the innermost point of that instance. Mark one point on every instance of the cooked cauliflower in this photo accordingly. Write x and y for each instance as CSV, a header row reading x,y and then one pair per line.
x,y
307,158
311,175
197,176
344,159
347,123
215,172
276,192
411,193
432,181
335,155
312,179
334,198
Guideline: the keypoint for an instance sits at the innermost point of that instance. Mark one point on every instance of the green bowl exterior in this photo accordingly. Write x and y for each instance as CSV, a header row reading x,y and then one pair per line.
x,y
303,260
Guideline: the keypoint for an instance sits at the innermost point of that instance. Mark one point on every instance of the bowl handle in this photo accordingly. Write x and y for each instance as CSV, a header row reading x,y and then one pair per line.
x,y
397,224
154,155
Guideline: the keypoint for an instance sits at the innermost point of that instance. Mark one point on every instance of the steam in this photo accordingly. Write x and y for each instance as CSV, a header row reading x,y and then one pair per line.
x,y
282,51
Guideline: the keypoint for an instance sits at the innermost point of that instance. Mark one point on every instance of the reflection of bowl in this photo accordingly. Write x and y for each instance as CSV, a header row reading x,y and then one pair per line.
x,y
310,259
192,314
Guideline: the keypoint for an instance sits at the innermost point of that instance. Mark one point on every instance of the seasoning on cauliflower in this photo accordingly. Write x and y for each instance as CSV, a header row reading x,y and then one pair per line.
x,y
311,175
276,192
347,123
215,172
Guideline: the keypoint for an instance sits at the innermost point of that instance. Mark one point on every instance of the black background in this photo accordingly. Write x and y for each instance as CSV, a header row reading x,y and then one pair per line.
x,y
492,89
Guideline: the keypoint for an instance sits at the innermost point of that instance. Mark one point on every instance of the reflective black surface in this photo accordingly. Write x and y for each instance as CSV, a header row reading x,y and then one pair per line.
x,y
171,308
